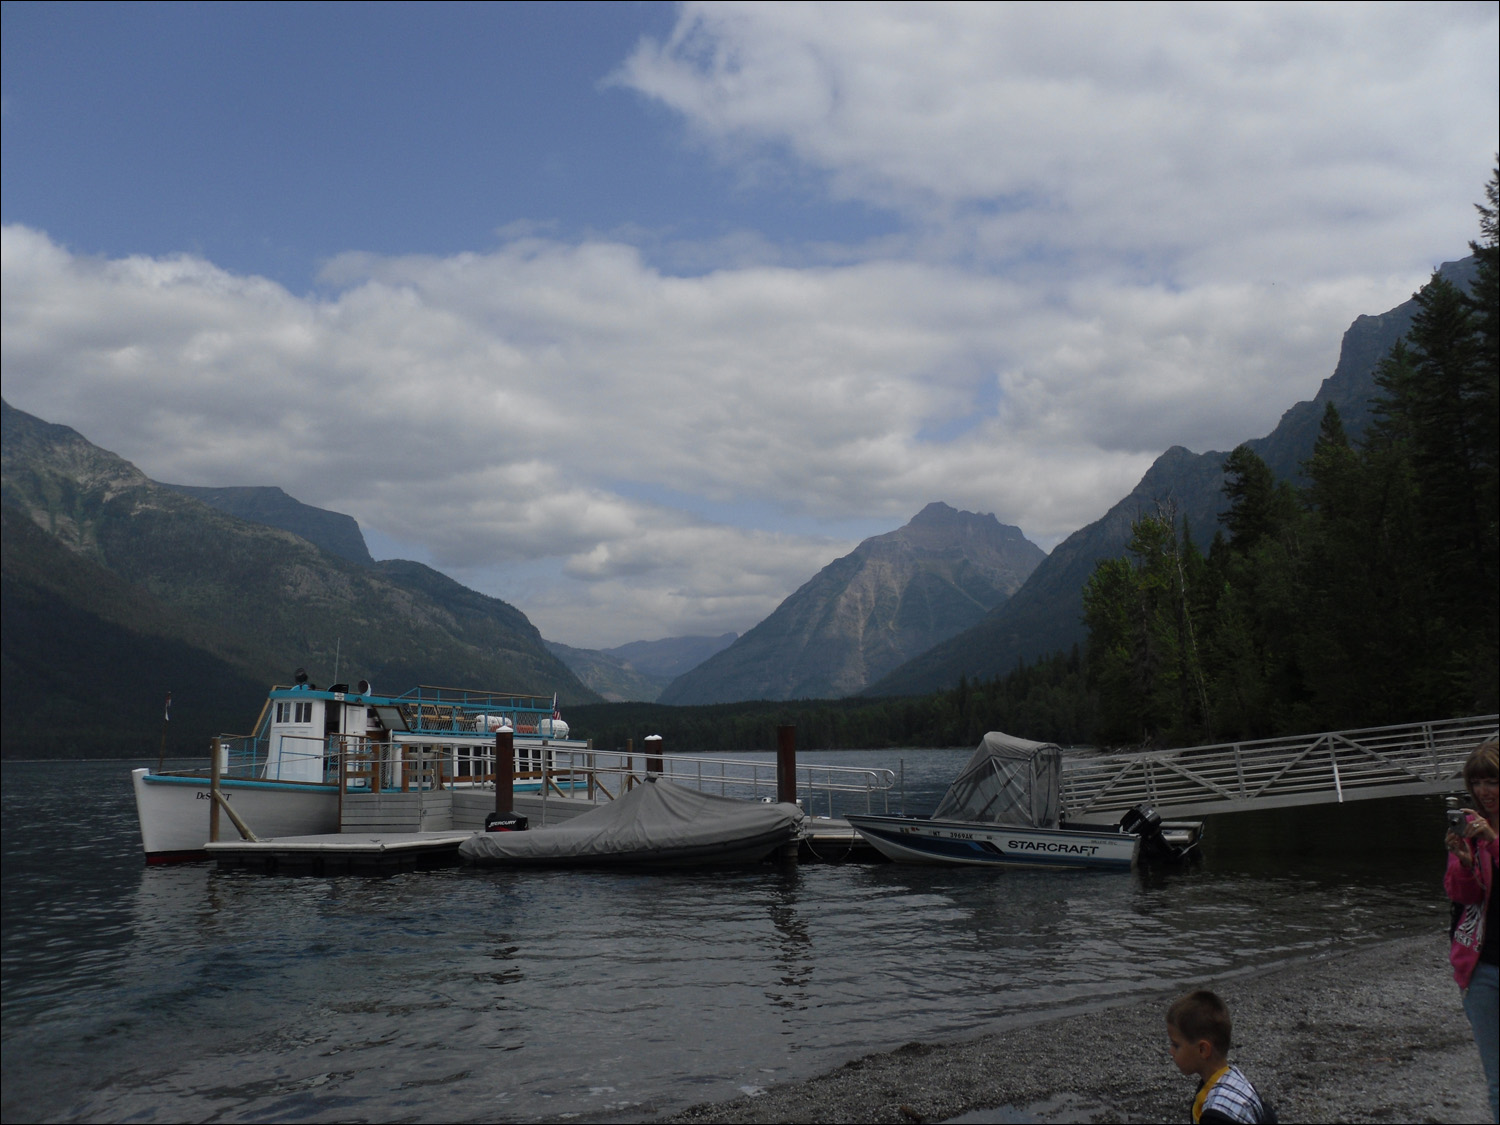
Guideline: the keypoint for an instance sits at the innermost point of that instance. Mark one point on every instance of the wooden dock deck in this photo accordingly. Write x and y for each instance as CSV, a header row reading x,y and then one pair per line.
x,y
342,853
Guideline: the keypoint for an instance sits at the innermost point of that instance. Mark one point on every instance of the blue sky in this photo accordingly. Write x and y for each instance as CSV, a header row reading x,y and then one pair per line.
x,y
269,138
638,314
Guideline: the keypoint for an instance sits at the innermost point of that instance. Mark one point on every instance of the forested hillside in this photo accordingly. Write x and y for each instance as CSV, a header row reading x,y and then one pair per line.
x,y
1046,614
1367,596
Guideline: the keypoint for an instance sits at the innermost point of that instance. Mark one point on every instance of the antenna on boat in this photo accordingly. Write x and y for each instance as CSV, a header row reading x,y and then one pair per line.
x,y
338,644
166,717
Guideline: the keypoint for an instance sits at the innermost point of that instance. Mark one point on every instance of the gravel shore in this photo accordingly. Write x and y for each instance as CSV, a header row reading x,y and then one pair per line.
x,y
1369,1034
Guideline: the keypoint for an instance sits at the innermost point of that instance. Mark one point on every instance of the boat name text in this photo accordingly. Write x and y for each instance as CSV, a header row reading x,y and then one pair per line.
x,y
1053,846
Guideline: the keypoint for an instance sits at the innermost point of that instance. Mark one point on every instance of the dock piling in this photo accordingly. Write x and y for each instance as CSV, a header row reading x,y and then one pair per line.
x,y
786,782
653,754
505,771
786,764
214,771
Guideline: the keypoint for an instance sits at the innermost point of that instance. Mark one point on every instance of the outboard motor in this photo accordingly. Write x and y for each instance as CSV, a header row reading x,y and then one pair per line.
x,y
1145,822
504,822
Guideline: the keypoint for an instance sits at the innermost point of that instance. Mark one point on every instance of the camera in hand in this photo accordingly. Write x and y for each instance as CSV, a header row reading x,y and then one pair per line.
x,y
1458,820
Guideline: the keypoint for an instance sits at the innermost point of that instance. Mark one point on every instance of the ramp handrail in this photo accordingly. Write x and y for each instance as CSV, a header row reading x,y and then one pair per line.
x,y
1277,772
729,777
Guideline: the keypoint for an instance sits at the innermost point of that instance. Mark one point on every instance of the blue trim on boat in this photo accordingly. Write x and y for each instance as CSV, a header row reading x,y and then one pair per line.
x,y
980,852
242,783
314,787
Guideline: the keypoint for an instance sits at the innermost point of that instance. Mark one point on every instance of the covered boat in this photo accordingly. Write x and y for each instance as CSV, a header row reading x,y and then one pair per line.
x,y
655,824
1005,810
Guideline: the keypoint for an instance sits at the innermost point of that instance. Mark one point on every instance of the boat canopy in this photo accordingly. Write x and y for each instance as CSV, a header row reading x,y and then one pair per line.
x,y
1010,782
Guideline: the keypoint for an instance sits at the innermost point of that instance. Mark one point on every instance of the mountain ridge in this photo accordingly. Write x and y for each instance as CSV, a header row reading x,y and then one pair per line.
x,y
335,532
1046,615
894,595
259,599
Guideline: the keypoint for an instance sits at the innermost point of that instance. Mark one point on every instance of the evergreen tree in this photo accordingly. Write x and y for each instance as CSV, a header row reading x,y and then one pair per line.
x,y
1437,418
1145,657
1371,645
1255,674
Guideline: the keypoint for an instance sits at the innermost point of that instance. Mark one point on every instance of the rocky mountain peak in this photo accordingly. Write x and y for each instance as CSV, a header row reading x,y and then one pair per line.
x,y
892,597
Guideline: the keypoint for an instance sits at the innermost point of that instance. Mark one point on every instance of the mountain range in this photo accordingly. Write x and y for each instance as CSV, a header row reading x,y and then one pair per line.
x,y
118,589
1046,614
115,589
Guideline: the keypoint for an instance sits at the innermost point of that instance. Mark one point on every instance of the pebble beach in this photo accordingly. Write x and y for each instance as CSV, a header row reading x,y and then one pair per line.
x,y
1372,1033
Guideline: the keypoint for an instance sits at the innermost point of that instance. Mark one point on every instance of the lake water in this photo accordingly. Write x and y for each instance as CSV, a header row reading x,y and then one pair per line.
x,y
187,994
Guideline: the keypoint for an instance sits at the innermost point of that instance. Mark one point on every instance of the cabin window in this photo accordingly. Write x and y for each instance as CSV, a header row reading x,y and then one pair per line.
x,y
293,712
304,712
283,710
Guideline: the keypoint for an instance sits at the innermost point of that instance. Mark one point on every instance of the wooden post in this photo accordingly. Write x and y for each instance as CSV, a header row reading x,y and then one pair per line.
x,y
786,764
786,784
505,771
234,817
653,754
214,771
629,765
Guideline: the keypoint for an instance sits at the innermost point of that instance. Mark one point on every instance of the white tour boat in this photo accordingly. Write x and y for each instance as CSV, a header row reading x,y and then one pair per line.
x,y
313,752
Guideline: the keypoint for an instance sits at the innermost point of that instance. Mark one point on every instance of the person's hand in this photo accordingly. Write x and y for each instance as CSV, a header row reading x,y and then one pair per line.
x,y
1459,846
1478,828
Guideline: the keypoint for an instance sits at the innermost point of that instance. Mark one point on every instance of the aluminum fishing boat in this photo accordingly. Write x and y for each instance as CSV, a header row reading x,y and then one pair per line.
x,y
1004,810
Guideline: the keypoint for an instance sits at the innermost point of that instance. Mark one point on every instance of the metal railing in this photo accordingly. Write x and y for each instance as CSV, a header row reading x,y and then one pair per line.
x,y
1335,766
820,788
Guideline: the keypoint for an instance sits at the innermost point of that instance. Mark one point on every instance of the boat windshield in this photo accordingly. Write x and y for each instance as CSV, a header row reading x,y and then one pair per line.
x,y
1009,781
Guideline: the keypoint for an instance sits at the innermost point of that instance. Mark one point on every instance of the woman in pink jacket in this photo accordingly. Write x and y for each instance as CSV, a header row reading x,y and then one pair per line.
x,y
1473,867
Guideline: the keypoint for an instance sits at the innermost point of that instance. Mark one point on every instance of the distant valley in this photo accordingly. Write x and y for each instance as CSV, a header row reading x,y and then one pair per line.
x,y
640,670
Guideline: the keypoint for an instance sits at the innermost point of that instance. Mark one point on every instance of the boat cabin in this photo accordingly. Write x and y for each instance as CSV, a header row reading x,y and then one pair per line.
x,y
305,733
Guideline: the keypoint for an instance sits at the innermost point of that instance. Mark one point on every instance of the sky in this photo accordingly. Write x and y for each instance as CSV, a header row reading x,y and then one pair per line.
x,y
637,315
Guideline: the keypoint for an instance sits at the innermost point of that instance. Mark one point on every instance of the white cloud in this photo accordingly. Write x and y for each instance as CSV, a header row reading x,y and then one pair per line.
x,y
1124,228
1271,142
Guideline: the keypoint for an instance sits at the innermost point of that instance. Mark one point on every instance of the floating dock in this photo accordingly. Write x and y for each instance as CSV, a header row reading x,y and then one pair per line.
x,y
342,853
824,840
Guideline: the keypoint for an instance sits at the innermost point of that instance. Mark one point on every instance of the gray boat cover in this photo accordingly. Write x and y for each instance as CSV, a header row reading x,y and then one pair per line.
x,y
655,823
1010,782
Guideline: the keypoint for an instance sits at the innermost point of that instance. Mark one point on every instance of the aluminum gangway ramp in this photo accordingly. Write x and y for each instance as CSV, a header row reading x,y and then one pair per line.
x,y
1346,765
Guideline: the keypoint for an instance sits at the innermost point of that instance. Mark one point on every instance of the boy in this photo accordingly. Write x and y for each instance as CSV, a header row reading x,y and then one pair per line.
x,y
1198,1032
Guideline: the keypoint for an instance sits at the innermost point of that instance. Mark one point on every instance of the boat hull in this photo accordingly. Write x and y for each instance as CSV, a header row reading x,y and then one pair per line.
x,y
174,812
915,840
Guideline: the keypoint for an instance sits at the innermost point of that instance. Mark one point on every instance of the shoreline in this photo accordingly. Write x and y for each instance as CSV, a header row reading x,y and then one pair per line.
x,y
1373,1033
